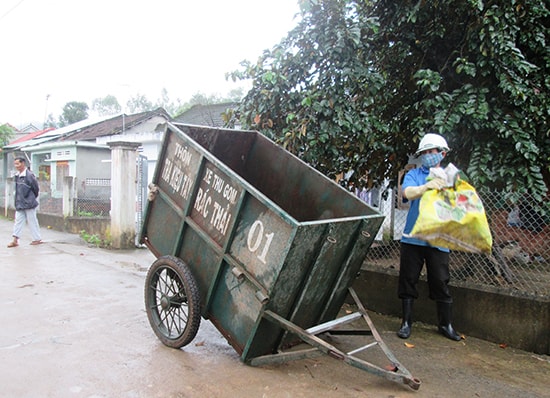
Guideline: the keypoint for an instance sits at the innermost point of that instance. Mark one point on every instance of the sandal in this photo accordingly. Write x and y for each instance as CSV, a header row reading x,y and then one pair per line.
x,y
36,242
13,244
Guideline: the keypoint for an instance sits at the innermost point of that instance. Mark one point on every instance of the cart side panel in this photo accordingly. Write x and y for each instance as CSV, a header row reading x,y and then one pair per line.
x,y
260,243
324,273
215,205
366,234
302,191
297,264
229,146
236,307
175,177
165,224
251,267
197,252
179,168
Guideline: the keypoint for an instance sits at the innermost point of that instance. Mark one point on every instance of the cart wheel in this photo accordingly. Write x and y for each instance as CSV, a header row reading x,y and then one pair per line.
x,y
172,301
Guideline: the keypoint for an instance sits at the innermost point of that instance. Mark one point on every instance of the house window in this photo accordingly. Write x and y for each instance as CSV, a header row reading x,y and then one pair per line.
x,y
63,153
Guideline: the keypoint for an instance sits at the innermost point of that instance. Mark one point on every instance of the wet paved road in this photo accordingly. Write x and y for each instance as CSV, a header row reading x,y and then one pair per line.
x,y
72,324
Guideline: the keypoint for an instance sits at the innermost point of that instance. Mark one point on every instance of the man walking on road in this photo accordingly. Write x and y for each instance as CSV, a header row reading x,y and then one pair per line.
x,y
26,202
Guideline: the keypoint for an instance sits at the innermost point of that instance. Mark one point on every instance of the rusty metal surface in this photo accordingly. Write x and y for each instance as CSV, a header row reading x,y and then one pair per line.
x,y
260,230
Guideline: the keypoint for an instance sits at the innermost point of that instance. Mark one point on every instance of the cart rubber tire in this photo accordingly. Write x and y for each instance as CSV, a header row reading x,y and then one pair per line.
x,y
172,301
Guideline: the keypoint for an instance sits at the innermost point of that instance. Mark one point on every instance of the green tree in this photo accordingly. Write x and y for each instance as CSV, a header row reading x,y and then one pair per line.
x,y
106,106
6,134
50,122
167,104
357,83
203,99
139,103
199,99
73,112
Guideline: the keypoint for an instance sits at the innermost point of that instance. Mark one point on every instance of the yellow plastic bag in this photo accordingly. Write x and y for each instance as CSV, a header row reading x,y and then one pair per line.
x,y
454,218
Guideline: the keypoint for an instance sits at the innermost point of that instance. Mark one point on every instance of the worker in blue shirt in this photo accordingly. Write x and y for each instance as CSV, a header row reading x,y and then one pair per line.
x,y
415,253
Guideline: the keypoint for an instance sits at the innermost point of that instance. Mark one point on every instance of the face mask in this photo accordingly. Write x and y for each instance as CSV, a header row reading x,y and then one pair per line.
x,y
431,159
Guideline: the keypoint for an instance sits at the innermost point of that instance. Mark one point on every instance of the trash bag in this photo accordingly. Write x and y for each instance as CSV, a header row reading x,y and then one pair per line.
x,y
454,218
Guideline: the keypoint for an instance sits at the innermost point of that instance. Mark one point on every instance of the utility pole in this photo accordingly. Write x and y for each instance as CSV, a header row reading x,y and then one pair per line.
x,y
45,112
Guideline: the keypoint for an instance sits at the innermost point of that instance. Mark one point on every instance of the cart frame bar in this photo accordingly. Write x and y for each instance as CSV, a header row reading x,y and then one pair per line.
x,y
396,372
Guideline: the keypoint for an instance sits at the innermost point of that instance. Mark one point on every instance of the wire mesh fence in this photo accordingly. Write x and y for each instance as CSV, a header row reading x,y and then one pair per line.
x,y
94,198
91,199
2,192
520,260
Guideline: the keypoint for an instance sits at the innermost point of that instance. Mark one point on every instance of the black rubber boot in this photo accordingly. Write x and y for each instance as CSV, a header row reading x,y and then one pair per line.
x,y
405,330
444,314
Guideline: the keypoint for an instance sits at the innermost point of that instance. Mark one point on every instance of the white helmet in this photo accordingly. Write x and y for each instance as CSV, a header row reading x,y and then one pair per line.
x,y
431,141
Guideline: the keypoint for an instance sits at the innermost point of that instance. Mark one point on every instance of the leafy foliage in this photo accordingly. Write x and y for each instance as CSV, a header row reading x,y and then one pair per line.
x,y
357,83
139,103
6,134
73,112
202,99
50,122
167,104
107,105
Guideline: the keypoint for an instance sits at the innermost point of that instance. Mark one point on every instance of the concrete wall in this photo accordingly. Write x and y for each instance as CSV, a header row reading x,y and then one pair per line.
x,y
93,226
519,322
93,162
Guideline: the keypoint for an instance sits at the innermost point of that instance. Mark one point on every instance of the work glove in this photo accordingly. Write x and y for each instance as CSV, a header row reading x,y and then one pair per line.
x,y
412,193
436,183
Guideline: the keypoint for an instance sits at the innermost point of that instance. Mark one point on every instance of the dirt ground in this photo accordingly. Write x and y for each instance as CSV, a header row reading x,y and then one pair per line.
x,y
73,325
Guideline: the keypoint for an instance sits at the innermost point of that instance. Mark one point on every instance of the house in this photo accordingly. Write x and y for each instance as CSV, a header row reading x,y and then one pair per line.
x,y
24,131
16,142
145,128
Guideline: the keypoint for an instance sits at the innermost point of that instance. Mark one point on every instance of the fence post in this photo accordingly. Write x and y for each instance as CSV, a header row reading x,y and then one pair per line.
x,y
123,193
68,196
8,202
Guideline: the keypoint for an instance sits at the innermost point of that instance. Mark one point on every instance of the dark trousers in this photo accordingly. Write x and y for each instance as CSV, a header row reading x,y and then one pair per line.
x,y
412,260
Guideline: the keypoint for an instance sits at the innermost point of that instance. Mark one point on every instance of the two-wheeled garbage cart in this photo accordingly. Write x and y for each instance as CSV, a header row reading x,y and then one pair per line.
x,y
251,238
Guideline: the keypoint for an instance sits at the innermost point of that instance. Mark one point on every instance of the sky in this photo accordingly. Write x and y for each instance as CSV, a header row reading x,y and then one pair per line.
x,y
57,51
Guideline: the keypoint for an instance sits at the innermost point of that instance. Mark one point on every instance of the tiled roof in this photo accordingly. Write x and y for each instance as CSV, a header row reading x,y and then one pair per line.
x,y
205,115
112,126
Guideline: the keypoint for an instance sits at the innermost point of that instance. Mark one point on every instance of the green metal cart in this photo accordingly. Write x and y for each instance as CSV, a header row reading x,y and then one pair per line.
x,y
251,238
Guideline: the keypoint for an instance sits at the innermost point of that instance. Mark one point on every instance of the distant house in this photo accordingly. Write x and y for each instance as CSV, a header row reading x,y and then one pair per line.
x,y
207,115
16,142
20,138
80,150
30,128
147,128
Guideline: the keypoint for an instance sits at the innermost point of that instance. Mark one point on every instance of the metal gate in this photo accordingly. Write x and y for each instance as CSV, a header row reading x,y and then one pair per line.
x,y
141,193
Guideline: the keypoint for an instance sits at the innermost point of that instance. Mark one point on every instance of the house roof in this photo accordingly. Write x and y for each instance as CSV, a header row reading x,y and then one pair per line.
x,y
205,115
52,134
63,144
89,129
30,128
113,126
30,136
